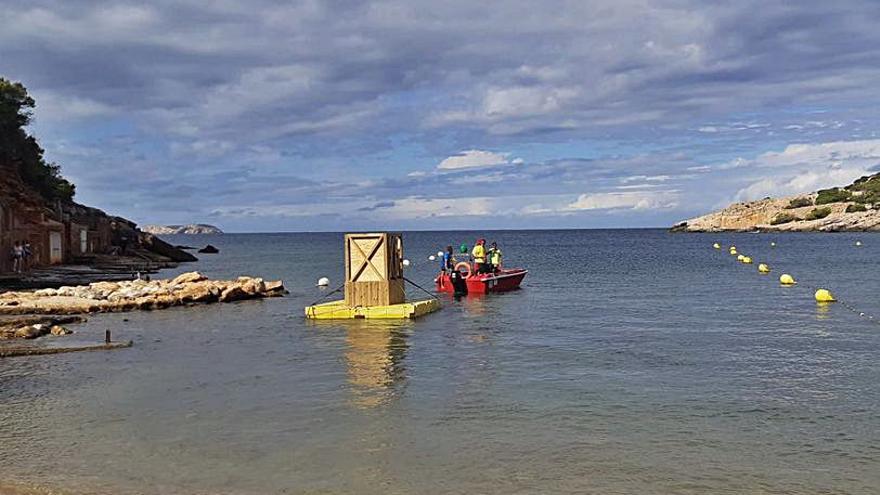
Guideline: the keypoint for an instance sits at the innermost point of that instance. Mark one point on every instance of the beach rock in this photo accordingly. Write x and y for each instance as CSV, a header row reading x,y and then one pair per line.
x,y
275,287
200,292
187,278
188,288
209,249
253,287
59,330
32,331
233,293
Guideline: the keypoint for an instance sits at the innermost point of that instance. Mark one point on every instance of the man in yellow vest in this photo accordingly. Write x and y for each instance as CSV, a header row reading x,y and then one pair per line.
x,y
495,257
479,255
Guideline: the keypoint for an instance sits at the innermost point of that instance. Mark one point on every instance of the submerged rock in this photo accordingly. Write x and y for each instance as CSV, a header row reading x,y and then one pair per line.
x,y
209,249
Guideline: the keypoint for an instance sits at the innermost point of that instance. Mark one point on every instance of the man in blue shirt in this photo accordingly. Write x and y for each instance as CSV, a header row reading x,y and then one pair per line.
x,y
447,261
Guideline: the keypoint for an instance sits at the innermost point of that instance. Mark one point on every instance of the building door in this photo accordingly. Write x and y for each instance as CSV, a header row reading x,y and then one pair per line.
x,y
55,254
83,241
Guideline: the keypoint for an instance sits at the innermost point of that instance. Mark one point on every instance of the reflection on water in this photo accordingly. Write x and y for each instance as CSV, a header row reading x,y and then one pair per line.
x,y
374,358
823,310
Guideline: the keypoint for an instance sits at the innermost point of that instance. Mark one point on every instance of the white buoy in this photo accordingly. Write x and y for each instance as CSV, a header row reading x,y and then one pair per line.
x,y
439,254
432,258
405,262
323,282
858,243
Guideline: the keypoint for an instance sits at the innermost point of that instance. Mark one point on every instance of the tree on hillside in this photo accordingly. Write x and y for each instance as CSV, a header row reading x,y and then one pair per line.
x,y
21,149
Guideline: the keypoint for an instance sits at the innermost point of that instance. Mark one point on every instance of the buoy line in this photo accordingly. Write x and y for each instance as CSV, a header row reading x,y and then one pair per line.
x,y
820,294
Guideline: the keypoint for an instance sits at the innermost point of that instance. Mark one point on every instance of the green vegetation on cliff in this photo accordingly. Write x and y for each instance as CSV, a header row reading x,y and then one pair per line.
x,y
20,149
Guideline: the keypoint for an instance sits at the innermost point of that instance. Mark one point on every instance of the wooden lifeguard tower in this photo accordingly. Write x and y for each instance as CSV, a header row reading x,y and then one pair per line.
x,y
374,282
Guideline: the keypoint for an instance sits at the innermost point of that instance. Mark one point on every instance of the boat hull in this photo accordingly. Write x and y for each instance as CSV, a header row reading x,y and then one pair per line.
x,y
502,281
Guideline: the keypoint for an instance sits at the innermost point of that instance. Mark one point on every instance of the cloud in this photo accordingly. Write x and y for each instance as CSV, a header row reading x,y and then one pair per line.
x,y
803,168
475,158
275,104
626,200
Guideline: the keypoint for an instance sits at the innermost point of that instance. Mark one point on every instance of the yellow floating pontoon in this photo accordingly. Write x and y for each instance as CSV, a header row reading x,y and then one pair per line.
x,y
373,283
337,310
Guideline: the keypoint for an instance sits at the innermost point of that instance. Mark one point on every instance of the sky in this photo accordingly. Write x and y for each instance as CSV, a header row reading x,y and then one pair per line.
x,y
336,115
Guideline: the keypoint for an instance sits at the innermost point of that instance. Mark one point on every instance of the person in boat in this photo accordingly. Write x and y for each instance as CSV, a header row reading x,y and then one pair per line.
x,y
495,257
479,255
447,261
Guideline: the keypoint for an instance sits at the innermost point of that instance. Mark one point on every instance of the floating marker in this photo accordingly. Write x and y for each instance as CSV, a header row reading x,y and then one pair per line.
x,y
763,268
323,282
740,257
716,246
858,243
432,258
824,296
733,252
405,262
772,244
747,260
439,254
786,279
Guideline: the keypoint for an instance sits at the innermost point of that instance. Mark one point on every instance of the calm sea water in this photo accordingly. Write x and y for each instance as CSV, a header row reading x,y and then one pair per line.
x,y
631,362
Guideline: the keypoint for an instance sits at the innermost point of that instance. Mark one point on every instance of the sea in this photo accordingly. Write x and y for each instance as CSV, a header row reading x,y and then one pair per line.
x,y
630,362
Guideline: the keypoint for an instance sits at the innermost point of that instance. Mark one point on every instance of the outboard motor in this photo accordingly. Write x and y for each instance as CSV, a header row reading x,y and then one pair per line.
x,y
458,283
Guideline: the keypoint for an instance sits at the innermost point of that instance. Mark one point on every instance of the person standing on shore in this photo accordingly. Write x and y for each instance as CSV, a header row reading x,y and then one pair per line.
x,y
17,256
27,255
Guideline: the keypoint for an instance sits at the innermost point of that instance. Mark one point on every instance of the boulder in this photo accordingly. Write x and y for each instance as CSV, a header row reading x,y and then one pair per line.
x,y
59,330
32,331
187,278
233,293
198,292
162,248
274,287
209,249
253,287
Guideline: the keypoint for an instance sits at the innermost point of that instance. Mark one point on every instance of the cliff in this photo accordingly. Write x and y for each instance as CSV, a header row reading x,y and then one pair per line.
x,y
37,207
193,229
853,208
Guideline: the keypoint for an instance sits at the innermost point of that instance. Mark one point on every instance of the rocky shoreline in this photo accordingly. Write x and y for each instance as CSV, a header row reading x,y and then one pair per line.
x,y
31,314
854,208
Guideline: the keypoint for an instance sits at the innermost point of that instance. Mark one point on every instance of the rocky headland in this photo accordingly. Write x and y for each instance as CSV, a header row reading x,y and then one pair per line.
x,y
32,314
191,229
854,208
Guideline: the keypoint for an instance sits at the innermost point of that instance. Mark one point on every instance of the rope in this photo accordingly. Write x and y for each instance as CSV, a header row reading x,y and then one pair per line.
x,y
433,296
325,296
839,301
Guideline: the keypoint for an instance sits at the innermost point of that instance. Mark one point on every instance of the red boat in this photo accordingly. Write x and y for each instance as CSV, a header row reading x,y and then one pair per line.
x,y
479,283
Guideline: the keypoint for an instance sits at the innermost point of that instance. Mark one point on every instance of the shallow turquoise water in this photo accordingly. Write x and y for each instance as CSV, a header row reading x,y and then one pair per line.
x,y
632,361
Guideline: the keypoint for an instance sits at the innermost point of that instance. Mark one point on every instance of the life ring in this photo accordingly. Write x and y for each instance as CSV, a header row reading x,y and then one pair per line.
x,y
466,265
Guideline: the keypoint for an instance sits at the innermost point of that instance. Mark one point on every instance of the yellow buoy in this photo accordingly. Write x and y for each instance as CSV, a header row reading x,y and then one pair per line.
x,y
747,260
763,268
716,246
786,279
740,257
824,296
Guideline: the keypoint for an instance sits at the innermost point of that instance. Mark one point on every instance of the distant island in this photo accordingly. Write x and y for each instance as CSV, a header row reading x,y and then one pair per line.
x,y
854,208
193,229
